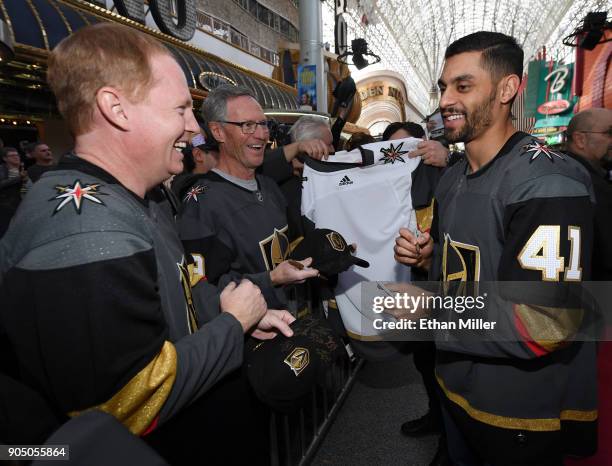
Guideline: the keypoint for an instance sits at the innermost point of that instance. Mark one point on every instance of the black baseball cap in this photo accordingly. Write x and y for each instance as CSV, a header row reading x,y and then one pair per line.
x,y
283,371
329,251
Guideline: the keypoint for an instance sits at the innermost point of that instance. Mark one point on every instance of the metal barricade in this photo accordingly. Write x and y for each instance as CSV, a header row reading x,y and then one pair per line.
x,y
295,438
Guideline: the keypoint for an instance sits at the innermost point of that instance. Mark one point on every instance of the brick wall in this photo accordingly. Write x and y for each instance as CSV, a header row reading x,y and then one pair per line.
x,y
597,77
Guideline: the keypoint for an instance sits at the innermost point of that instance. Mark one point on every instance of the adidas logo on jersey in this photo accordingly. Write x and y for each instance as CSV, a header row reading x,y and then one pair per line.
x,y
345,181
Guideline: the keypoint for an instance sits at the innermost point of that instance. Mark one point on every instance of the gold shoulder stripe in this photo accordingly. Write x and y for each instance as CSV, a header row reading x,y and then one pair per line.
x,y
539,425
139,402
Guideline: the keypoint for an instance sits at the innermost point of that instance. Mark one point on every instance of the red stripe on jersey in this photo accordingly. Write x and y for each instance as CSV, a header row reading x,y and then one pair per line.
x,y
535,348
151,427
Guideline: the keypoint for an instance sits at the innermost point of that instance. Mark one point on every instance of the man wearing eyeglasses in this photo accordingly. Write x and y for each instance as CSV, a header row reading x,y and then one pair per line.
x,y
590,143
234,222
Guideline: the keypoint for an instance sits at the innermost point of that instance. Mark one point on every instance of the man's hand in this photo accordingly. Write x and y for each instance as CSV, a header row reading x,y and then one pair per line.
x,y
273,319
286,273
245,302
412,250
431,152
313,148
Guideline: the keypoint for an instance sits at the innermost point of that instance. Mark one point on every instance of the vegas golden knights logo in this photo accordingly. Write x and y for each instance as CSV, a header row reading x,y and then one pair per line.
x,y
275,248
336,241
192,318
460,263
298,360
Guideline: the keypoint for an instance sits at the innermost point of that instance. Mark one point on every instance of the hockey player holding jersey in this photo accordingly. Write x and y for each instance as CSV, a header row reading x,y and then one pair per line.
x,y
513,210
96,295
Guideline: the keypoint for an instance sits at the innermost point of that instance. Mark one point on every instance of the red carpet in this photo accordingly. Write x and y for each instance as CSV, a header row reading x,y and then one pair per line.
x,y
604,453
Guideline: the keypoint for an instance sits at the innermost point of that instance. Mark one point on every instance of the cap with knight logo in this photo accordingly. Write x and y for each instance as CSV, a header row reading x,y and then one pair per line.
x,y
284,370
329,251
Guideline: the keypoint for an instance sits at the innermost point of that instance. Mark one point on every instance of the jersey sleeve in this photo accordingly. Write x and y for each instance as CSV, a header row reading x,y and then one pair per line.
x,y
275,165
546,233
308,194
547,253
84,331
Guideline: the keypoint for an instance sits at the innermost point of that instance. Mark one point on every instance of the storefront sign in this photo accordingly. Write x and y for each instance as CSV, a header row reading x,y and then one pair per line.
x,y
211,80
553,107
549,89
179,23
377,90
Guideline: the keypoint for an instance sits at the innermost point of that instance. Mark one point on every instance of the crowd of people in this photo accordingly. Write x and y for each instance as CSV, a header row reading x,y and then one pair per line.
x,y
140,271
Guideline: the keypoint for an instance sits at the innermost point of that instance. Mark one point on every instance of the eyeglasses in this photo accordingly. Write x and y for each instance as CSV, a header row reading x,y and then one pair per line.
x,y
608,132
248,127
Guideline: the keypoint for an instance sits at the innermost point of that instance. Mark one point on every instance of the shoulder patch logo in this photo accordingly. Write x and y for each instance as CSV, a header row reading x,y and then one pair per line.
x,y
393,154
538,149
194,192
345,181
76,194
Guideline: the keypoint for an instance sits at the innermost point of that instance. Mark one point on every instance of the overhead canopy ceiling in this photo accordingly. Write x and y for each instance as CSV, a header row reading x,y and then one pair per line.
x,y
412,35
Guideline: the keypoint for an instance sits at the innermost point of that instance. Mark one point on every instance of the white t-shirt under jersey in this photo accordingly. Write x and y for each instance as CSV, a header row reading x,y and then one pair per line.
x,y
367,205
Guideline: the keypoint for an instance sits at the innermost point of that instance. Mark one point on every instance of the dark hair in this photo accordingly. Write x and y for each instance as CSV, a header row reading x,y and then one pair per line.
x,y
29,148
359,139
501,54
5,150
413,129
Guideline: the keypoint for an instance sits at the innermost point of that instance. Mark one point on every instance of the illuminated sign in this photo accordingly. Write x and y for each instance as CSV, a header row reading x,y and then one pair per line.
x,y
554,106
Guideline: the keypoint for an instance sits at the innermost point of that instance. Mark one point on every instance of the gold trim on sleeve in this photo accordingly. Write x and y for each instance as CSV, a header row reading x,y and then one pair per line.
x,y
549,327
424,216
139,402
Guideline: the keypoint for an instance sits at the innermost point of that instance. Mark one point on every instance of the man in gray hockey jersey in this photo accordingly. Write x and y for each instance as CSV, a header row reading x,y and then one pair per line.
x,y
96,295
512,210
234,222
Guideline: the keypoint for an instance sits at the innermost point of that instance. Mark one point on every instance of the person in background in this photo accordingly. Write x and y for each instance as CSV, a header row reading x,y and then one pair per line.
x,y
201,156
11,167
13,179
358,139
590,143
43,157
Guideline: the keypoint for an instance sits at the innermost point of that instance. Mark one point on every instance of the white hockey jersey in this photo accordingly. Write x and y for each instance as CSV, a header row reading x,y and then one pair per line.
x,y
367,205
